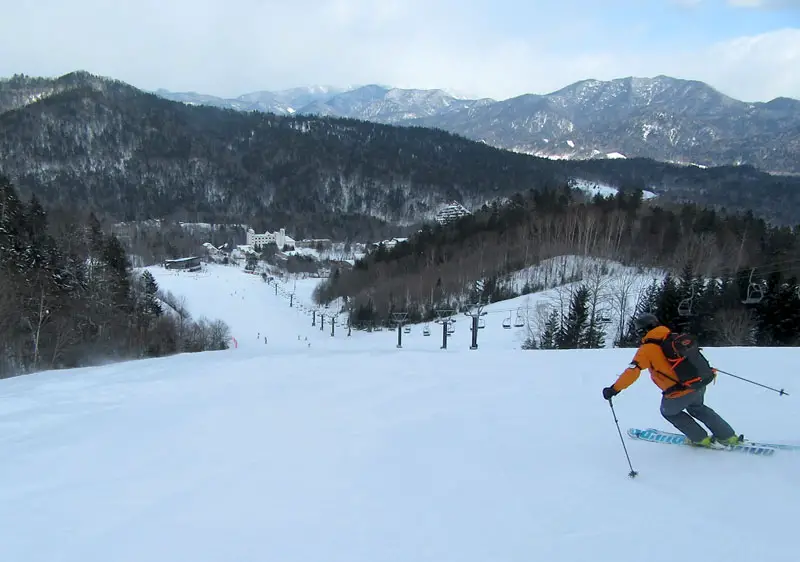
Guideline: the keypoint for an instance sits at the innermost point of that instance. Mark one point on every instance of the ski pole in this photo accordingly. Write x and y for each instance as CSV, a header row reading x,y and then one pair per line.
x,y
632,473
781,392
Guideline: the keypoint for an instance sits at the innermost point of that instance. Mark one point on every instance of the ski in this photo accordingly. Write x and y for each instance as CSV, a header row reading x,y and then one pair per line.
x,y
781,446
658,436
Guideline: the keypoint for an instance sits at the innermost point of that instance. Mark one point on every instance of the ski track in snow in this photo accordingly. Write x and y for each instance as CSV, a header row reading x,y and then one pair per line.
x,y
354,450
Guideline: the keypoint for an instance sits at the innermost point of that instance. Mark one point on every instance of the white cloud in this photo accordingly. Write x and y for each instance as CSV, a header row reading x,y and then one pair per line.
x,y
243,45
764,3
756,67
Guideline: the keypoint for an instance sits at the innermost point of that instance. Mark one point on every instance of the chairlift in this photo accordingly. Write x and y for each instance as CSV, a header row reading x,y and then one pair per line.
x,y
754,292
685,306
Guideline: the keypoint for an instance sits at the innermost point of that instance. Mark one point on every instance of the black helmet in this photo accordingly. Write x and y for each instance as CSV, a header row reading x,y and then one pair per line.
x,y
645,322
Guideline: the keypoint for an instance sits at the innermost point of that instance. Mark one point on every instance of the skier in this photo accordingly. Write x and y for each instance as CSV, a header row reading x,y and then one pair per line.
x,y
676,396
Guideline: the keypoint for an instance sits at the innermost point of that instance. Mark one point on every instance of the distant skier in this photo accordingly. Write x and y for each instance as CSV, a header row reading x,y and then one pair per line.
x,y
678,394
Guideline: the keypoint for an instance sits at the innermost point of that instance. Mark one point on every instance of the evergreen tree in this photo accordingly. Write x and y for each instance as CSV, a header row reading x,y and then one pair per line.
x,y
364,315
118,268
96,239
594,336
152,306
703,322
779,313
573,328
769,312
667,303
547,339
12,226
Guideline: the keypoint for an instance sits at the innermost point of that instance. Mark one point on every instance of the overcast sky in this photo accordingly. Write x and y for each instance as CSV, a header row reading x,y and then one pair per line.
x,y
749,49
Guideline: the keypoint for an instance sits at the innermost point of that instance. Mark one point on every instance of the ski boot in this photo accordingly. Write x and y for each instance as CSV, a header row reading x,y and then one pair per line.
x,y
731,441
708,443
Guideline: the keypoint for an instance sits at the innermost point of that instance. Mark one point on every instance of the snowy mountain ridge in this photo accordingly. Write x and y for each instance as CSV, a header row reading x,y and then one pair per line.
x,y
663,118
102,133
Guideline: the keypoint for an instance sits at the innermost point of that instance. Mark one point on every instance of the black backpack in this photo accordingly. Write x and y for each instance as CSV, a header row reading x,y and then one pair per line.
x,y
683,354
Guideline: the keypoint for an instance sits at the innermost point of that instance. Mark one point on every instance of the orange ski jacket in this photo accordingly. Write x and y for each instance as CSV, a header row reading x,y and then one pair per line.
x,y
649,356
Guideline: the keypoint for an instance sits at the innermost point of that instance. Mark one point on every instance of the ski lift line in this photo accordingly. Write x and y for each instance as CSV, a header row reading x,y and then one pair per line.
x,y
501,311
762,273
772,264
764,269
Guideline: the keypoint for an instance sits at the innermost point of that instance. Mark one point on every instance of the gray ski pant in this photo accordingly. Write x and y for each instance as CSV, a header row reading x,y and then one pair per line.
x,y
673,411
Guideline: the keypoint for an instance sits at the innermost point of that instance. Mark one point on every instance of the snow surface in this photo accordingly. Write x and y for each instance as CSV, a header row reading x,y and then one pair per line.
x,y
595,188
354,450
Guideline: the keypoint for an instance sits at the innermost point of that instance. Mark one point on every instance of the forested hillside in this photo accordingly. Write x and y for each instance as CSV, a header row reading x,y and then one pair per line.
x,y
732,279
82,142
69,297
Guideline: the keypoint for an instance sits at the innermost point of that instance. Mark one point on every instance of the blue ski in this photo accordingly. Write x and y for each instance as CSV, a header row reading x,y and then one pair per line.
x,y
781,446
658,436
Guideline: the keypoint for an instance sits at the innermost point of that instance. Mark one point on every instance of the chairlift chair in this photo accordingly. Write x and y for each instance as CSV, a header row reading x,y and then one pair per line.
x,y
685,306
507,322
450,328
754,294
519,320
407,329
426,331
481,323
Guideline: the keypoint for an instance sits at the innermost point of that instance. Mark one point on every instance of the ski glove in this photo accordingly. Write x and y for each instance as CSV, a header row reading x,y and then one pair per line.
x,y
609,392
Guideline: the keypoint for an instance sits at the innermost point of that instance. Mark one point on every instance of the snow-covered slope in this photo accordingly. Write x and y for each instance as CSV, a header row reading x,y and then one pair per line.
x,y
597,188
351,449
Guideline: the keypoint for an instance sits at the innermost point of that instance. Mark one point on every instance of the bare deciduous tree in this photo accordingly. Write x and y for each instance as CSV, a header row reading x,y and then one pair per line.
x,y
735,326
622,299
